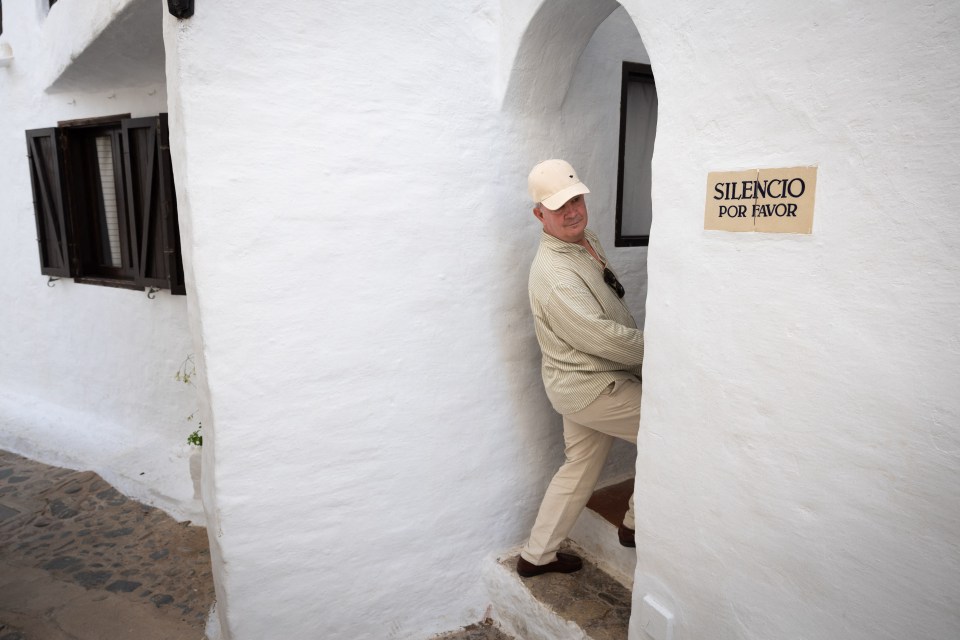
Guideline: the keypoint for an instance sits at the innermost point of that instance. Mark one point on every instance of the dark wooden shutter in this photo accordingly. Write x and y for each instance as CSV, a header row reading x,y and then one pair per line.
x,y
49,202
143,199
168,208
151,204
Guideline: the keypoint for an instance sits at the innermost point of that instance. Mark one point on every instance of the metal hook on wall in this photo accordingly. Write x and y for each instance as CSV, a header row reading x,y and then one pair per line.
x,y
51,280
152,293
180,8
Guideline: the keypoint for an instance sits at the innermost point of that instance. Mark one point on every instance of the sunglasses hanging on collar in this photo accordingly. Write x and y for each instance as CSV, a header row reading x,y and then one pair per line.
x,y
611,280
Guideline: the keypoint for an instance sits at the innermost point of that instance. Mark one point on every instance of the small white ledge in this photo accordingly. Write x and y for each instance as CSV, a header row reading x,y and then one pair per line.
x,y
6,54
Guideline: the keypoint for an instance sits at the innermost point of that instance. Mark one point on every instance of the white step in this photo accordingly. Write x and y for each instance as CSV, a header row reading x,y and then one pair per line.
x,y
591,604
586,605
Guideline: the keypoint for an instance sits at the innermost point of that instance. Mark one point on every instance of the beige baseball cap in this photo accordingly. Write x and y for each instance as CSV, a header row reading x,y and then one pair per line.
x,y
553,182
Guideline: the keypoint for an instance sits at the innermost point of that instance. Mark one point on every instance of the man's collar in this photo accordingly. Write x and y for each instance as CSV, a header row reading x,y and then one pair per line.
x,y
559,245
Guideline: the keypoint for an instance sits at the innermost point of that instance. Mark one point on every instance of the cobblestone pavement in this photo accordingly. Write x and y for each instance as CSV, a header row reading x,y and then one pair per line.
x,y
80,561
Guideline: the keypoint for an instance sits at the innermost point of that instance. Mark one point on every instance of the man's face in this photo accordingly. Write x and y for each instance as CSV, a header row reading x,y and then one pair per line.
x,y
566,223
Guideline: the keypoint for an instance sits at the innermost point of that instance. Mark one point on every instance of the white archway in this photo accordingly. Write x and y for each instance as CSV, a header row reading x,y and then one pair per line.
x,y
540,60
561,74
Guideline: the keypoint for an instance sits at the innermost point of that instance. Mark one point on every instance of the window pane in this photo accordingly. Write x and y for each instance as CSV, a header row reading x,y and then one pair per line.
x,y
110,229
641,129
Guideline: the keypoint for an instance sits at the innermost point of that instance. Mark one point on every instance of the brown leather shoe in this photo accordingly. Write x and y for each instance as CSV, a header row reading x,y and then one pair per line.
x,y
626,536
565,563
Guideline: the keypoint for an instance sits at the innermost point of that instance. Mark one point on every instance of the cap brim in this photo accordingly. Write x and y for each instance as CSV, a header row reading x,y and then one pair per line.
x,y
560,198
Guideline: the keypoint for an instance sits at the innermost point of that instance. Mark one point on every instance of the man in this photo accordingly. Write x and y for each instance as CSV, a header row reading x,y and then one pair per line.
x,y
592,354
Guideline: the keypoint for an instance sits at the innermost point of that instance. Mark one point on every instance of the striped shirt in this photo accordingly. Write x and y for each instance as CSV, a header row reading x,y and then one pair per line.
x,y
586,333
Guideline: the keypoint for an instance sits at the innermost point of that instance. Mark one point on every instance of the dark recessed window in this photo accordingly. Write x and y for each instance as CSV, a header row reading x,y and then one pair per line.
x,y
638,130
1,17
105,203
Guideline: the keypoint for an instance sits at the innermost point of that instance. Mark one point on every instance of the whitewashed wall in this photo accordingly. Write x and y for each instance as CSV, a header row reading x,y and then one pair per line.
x,y
800,457
352,186
87,372
799,461
378,423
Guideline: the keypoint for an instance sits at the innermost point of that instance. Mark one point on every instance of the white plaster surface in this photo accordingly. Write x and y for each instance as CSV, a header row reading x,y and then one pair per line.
x,y
86,372
351,178
798,466
378,422
104,45
374,386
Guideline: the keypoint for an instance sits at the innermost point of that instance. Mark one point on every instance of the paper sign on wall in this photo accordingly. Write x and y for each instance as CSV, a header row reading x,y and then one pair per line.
x,y
763,200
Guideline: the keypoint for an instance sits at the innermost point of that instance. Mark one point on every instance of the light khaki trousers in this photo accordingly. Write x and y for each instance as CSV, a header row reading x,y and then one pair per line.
x,y
588,436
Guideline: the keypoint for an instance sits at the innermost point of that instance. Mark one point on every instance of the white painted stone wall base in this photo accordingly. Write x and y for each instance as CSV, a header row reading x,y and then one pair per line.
x,y
517,611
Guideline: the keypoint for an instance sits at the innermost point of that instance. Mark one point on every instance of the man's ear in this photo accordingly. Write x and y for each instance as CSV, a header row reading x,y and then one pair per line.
x,y
538,214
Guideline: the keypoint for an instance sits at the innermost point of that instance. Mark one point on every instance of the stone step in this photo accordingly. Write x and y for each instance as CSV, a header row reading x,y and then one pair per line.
x,y
596,531
611,500
593,603
586,605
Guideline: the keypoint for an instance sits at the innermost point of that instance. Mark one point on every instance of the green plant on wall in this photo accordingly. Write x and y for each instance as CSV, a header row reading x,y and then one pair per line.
x,y
195,438
185,374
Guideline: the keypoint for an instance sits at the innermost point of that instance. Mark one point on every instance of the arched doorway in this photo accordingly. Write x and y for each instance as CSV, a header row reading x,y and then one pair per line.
x,y
574,66
564,94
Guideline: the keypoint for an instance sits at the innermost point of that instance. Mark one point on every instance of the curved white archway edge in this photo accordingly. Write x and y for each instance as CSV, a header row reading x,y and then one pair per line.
x,y
538,62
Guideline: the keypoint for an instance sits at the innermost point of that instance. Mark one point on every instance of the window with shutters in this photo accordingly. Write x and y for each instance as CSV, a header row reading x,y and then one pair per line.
x,y
105,203
638,128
